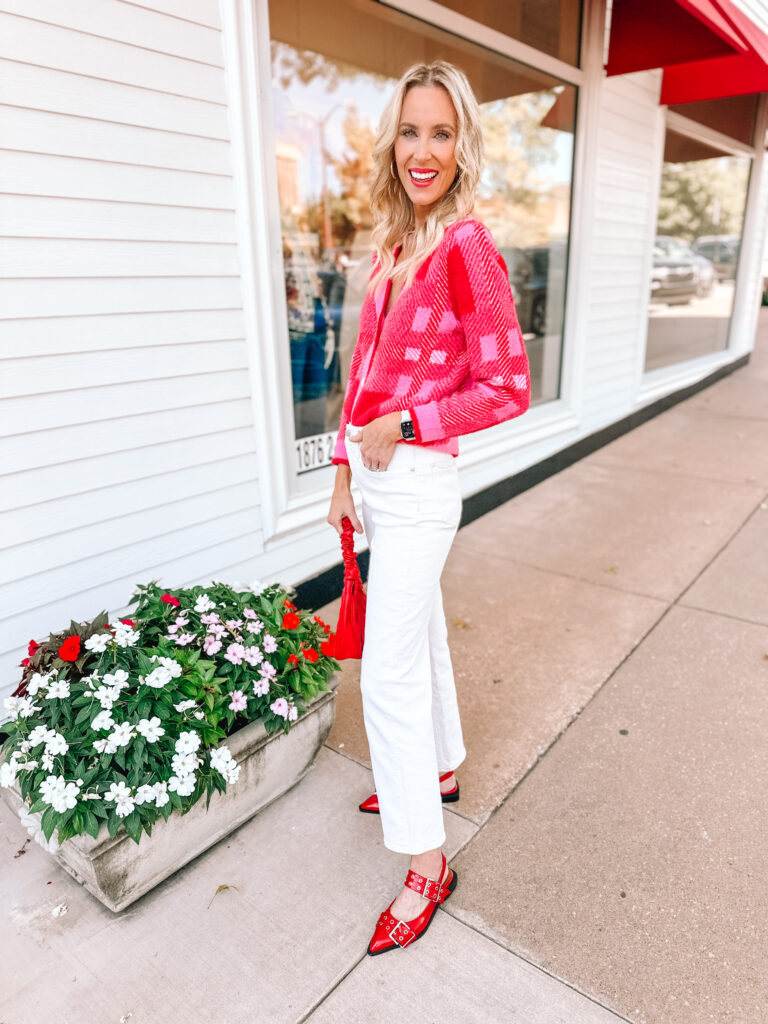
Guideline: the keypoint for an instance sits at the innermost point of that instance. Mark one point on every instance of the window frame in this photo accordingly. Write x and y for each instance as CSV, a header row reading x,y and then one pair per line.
x,y
287,507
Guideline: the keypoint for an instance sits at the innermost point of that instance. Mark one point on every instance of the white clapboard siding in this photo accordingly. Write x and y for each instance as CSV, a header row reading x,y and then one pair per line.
x,y
110,503
127,446
62,92
38,131
122,331
83,296
38,448
41,174
125,24
29,41
56,217
131,399
620,233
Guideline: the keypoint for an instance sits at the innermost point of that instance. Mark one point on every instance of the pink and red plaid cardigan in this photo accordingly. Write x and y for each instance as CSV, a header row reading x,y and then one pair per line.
x,y
450,350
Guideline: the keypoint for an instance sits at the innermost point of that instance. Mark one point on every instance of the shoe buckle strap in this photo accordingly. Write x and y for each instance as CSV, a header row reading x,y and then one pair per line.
x,y
408,937
430,888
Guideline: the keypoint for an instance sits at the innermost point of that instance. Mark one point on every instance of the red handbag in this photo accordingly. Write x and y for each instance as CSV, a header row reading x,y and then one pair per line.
x,y
350,632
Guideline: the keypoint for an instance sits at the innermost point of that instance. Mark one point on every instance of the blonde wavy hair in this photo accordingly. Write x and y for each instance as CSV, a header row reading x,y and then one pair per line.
x,y
393,214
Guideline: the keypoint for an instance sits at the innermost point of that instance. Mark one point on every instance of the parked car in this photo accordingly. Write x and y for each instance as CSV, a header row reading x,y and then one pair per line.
x,y
530,271
722,250
675,275
704,269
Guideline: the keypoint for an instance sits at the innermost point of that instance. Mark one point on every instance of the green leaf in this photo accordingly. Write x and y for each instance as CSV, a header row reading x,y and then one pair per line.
x,y
48,822
113,823
91,823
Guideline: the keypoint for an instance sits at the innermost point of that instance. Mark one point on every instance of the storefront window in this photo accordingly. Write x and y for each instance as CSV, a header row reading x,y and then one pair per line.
x,y
551,26
696,250
334,63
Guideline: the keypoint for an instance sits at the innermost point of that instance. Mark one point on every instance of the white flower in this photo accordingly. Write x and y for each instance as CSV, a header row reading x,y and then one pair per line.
x,y
51,786
120,736
117,680
261,686
121,794
204,603
145,794
185,705
46,761
157,678
183,786
58,688
187,742
221,757
161,794
7,773
31,823
199,714
103,720
98,642
184,764
293,712
151,729
37,680
27,707
11,705
101,745
56,744
270,644
174,668
106,696
40,734
125,635
65,799
232,774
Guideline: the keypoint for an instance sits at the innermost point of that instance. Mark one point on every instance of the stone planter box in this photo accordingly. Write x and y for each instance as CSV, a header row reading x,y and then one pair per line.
x,y
117,871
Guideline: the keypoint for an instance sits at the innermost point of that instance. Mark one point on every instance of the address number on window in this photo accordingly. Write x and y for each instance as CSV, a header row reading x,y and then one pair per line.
x,y
313,452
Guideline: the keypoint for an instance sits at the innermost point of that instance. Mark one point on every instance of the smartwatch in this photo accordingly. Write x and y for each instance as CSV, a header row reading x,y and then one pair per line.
x,y
406,426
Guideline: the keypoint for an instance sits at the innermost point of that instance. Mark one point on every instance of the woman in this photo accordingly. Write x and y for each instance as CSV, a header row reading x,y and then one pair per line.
x,y
439,354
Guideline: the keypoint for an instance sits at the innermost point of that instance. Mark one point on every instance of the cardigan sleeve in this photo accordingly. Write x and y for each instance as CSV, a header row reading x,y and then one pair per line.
x,y
498,385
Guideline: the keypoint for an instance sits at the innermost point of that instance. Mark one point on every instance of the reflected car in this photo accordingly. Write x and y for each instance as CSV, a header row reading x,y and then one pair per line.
x,y
529,277
722,250
675,275
704,268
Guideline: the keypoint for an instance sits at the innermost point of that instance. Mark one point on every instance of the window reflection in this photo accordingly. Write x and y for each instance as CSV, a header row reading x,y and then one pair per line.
x,y
696,251
334,63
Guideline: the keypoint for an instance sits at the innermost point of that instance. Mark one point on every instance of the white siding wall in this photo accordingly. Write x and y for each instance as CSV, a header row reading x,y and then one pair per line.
x,y
126,447
630,135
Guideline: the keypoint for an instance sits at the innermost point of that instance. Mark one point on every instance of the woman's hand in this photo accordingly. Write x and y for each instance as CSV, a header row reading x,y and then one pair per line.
x,y
342,502
378,439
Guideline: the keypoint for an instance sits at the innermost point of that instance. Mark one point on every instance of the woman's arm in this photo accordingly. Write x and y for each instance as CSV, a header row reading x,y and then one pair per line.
x,y
498,386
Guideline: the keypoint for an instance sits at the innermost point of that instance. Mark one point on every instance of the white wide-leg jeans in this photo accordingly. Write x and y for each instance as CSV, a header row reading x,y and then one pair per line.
x,y
411,512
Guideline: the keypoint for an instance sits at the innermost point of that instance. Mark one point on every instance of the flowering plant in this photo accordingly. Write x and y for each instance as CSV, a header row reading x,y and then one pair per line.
x,y
121,721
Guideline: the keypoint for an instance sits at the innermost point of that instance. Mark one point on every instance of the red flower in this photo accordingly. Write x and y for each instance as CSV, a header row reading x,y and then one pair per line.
x,y
70,649
291,621
24,662
129,622
328,647
33,645
293,659
326,628
170,599
287,604
309,654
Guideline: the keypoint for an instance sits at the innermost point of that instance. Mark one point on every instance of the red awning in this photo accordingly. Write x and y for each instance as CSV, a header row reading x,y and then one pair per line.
x,y
708,48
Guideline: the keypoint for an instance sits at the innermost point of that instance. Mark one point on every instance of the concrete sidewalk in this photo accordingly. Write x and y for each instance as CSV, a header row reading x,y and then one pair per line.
x,y
609,629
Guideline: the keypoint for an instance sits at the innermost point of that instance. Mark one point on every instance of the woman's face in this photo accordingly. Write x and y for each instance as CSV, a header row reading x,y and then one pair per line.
x,y
425,147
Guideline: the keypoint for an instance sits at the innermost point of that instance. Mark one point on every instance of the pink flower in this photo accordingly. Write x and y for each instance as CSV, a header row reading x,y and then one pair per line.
x,y
249,613
173,629
260,686
184,639
211,645
280,707
217,629
253,655
270,644
234,623
181,620
239,701
267,671
235,654
210,618
293,712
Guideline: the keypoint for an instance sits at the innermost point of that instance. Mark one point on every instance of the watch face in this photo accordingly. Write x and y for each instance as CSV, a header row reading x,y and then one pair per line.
x,y
406,429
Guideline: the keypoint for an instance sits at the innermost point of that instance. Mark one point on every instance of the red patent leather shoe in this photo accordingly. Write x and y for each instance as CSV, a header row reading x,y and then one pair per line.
x,y
391,933
371,805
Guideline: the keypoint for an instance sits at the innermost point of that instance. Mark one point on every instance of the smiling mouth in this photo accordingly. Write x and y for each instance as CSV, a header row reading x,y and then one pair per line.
x,y
424,177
